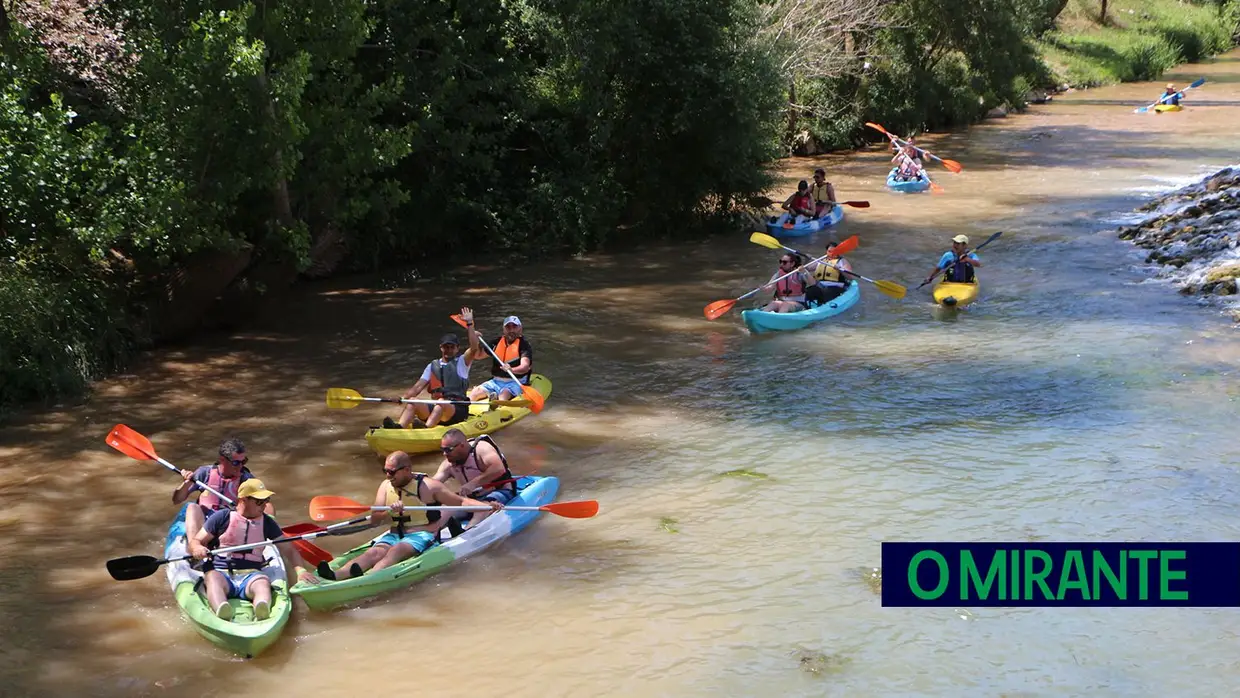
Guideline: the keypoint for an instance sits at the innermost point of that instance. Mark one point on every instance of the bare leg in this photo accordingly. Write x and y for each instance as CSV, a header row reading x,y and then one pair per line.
x,y
506,395
259,593
365,561
440,413
217,591
193,521
395,554
407,415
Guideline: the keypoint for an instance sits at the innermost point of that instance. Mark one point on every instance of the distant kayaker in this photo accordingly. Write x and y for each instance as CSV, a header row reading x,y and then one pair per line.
x,y
240,574
224,476
447,378
515,350
789,292
908,160
823,194
829,283
1171,95
800,203
479,467
413,531
961,264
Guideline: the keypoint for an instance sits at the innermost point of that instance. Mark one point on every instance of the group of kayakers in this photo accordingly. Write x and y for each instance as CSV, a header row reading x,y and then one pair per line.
x,y
478,466
811,201
447,377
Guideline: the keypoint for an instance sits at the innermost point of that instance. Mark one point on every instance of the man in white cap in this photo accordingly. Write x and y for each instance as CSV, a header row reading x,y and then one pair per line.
x,y
240,575
961,264
515,351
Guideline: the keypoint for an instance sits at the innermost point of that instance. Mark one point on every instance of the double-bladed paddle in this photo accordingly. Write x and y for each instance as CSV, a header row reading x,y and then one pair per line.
x,y
718,308
139,566
890,288
347,399
536,399
327,507
138,447
951,264
1164,98
949,164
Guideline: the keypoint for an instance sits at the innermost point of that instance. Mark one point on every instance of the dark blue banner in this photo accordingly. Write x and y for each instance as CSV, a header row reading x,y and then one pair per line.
x,y
1061,574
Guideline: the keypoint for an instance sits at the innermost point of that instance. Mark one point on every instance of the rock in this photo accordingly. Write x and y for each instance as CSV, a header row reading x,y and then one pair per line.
x,y
1226,287
1226,271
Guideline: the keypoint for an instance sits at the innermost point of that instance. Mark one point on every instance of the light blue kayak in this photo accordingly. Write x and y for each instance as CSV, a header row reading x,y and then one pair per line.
x,y
759,321
908,186
778,229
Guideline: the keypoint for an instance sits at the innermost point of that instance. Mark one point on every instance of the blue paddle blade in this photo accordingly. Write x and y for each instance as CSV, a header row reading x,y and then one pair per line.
x,y
1198,83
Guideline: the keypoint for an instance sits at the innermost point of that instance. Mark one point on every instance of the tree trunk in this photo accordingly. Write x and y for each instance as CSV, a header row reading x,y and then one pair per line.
x,y
283,201
1102,16
792,112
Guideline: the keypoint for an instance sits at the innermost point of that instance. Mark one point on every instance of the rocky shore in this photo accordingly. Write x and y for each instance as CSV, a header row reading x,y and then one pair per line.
x,y
1194,233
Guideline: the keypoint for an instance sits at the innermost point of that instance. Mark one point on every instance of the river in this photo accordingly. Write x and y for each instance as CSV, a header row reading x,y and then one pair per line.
x,y
745,482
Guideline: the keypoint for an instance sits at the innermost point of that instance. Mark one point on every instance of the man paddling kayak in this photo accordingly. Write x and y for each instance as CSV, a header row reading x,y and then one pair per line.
x,y
240,575
515,350
789,292
412,532
829,283
223,476
1171,95
448,379
475,464
961,267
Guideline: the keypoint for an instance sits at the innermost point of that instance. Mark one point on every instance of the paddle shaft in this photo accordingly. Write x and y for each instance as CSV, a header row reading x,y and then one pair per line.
x,y
274,541
462,507
413,401
503,364
775,281
842,271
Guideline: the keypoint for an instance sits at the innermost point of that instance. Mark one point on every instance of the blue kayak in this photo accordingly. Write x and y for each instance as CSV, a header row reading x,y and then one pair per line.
x,y
780,228
762,321
907,186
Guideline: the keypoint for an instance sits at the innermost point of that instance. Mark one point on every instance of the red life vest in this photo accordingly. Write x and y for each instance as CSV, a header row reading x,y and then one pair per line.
x,y
241,531
225,486
802,201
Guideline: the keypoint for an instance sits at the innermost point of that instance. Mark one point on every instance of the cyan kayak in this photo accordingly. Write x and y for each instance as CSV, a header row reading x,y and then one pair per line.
x,y
243,634
532,491
759,321
780,226
907,186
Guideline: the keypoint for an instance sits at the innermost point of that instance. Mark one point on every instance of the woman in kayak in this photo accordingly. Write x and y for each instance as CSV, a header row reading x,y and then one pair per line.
x,y
800,203
412,531
829,280
958,265
822,193
908,161
790,291
1171,96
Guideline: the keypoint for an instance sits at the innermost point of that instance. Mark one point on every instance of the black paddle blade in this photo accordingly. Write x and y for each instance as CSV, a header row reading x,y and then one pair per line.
x,y
135,567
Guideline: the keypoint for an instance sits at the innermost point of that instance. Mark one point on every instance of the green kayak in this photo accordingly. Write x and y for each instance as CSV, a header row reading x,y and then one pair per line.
x,y
532,491
243,634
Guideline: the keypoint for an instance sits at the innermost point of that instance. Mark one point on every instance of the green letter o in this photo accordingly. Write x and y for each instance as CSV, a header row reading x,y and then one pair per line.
x,y
944,575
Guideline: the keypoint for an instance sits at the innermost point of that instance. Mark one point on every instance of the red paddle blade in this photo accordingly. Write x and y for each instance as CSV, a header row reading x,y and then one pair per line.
x,y
846,246
718,308
856,204
311,553
301,528
952,165
131,443
536,399
572,510
327,508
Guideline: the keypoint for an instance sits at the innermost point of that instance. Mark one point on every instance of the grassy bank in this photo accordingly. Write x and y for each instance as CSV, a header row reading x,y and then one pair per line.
x,y
1140,39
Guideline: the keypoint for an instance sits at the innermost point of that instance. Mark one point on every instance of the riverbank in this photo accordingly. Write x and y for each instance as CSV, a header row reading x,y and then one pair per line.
x,y
1193,235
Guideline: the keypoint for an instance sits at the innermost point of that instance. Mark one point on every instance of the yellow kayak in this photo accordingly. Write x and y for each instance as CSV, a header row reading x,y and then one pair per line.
x,y
954,294
481,421
1168,107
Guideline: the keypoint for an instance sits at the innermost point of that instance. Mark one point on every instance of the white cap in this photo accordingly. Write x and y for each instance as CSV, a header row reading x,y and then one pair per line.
x,y
512,320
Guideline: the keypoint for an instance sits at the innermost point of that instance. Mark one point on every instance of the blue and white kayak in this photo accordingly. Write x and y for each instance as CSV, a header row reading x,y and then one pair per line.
x,y
906,186
759,321
780,226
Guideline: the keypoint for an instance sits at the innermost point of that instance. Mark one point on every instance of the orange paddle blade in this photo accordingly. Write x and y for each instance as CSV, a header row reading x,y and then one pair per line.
x,y
856,204
877,127
572,510
718,308
459,320
951,165
131,443
327,507
536,399
847,246
312,553
935,189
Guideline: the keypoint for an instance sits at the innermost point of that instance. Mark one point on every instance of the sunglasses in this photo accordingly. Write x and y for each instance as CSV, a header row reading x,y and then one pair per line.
x,y
390,473
239,463
785,261
448,449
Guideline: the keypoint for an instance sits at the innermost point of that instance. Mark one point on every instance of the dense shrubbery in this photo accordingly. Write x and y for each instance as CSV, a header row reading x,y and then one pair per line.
x,y
227,146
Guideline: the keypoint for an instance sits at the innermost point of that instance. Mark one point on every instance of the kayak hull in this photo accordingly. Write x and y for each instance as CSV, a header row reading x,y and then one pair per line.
x,y
482,421
243,635
955,295
909,186
1168,107
777,227
759,321
533,491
